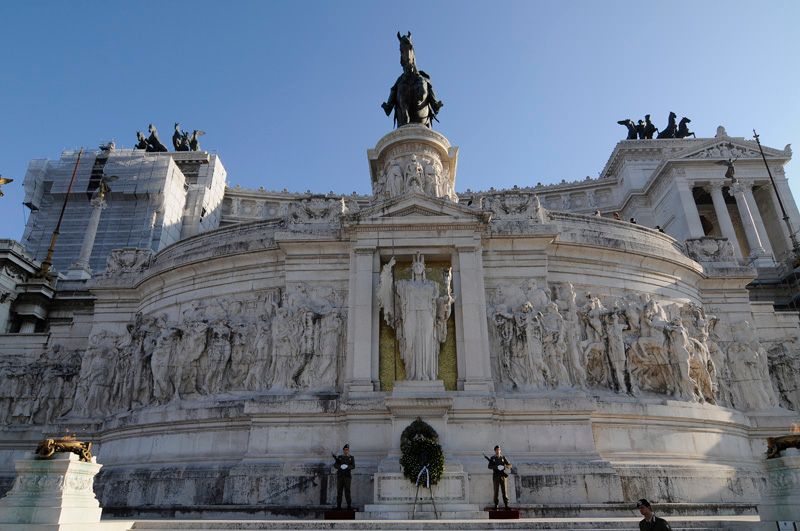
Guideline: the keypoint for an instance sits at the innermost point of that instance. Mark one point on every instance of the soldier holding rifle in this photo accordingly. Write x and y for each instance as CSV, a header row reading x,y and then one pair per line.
x,y
344,463
500,468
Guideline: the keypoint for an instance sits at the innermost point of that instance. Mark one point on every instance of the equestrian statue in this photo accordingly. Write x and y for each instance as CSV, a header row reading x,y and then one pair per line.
x,y
411,97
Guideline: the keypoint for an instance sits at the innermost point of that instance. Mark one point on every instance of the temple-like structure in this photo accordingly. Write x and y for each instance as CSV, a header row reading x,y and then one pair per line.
x,y
216,343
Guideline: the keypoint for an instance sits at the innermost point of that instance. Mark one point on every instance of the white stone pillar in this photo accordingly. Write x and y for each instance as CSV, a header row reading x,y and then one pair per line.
x,y
781,501
773,198
6,300
753,239
477,369
52,493
358,367
81,268
782,187
690,210
757,219
723,216
28,326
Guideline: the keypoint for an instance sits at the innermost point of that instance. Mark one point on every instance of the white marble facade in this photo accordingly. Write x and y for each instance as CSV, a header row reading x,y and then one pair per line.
x,y
610,360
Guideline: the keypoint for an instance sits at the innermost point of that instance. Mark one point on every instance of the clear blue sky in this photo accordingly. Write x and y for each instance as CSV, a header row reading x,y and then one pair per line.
x,y
289,92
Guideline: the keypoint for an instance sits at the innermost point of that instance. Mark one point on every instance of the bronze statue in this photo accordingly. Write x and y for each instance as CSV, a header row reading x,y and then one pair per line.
x,y
48,447
640,129
729,173
411,97
649,128
683,129
194,141
671,129
180,139
141,141
631,128
153,143
775,445
3,181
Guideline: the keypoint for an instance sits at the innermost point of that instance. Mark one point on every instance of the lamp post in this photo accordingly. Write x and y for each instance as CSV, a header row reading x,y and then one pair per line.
x,y
786,219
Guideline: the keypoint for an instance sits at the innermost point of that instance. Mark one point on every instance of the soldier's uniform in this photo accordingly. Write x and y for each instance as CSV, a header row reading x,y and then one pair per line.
x,y
344,464
657,524
500,477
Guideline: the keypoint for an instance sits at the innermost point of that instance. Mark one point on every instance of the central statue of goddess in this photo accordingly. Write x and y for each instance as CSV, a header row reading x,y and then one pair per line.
x,y
418,314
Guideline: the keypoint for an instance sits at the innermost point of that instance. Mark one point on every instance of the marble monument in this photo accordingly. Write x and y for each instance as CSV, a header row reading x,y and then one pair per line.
x,y
224,341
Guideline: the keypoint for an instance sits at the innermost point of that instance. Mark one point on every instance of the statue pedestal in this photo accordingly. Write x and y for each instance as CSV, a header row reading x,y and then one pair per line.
x,y
418,388
394,498
52,494
781,501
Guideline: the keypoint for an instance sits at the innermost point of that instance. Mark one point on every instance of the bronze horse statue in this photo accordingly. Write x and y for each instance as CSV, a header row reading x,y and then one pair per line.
x,y
672,128
411,97
683,129
632,133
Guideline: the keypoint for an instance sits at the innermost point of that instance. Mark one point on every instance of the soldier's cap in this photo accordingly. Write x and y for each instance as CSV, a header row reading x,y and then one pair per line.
x,y
496,447
346,447
642,503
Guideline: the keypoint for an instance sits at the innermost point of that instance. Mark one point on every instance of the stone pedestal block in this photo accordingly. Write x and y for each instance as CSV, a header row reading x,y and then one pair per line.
x,y
52,494
394,497
781,502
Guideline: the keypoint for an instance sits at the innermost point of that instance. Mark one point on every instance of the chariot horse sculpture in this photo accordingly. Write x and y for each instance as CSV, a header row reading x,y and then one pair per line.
x,y
412,97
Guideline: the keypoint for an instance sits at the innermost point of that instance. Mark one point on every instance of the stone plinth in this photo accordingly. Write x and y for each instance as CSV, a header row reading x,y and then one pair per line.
x,y
413,158
781,502
52,494
394,498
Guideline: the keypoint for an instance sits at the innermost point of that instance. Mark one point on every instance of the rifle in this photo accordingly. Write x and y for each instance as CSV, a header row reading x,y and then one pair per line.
x,y
494,470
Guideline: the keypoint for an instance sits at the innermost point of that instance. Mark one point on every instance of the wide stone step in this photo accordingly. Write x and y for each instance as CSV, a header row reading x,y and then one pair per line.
x,y
540,524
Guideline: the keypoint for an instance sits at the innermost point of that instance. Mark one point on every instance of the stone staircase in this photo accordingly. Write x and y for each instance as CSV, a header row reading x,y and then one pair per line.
x,y
716,523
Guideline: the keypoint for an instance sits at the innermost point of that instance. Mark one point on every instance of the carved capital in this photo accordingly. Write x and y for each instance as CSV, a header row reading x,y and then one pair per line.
x,y
740,187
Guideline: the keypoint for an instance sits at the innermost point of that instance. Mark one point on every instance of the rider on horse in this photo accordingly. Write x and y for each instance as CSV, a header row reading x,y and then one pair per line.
x,y
411,97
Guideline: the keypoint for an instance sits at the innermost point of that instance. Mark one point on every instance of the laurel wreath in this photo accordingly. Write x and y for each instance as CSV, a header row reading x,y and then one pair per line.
x,y
419,446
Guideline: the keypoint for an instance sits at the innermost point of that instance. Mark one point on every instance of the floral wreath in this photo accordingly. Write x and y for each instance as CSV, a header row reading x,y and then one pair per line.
x,y
419,447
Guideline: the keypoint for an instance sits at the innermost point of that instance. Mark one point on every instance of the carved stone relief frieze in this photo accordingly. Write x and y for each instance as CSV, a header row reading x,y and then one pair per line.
x,y
633,344
128,260
316,210
710,249
414,167
260,342
40,391
726,150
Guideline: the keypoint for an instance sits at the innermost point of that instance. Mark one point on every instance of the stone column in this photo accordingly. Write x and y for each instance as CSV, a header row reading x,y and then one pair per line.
x,y
477,370
690,210
28,326
773,198
753,239
81,268
757,219
782,185
723,216
6,300
358,367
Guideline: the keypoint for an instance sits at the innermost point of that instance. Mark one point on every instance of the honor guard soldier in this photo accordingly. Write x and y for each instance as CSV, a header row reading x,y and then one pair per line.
x,y
500,469
650,522
344,464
